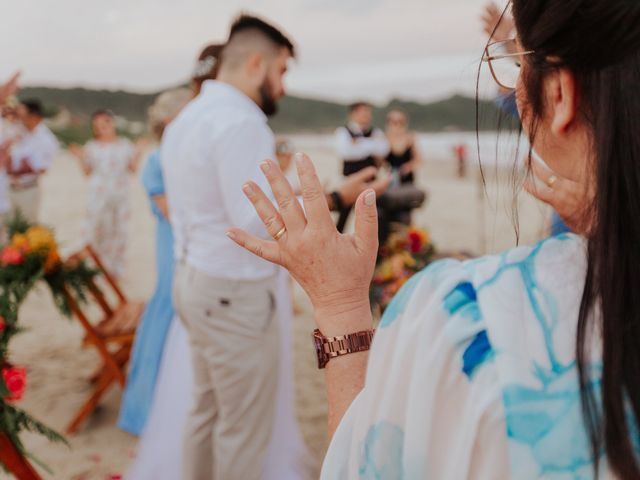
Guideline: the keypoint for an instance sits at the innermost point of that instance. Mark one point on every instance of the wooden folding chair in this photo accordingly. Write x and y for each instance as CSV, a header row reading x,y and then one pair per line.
x,y
112,335
14,461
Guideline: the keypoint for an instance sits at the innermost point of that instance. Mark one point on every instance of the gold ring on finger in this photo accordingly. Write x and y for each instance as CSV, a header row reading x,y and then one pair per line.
x,y
552,181
280,233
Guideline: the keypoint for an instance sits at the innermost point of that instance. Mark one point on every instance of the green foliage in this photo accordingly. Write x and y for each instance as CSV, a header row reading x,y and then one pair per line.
x,y
36,261
84,101
295,114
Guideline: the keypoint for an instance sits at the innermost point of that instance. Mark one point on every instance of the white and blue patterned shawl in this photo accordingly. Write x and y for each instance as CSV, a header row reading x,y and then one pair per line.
x,y
472,374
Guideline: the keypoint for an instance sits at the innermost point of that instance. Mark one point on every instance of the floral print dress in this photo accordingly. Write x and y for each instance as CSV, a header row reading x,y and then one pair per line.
x,y
108,208
472,375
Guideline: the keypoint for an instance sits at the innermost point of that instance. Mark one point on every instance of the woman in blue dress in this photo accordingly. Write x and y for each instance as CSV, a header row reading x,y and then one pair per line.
x,y
520,365
156,319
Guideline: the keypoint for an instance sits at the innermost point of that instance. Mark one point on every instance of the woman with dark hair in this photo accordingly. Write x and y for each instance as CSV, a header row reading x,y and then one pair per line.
x,y
520,365
206,67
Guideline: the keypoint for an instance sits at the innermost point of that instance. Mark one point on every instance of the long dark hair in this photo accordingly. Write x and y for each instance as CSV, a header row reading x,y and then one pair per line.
x,y
599,41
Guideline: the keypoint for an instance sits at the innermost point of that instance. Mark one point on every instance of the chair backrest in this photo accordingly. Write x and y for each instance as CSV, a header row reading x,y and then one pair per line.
x,y
103,288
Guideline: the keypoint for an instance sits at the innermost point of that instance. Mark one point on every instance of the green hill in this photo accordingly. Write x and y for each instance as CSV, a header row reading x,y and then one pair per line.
x,y
296,114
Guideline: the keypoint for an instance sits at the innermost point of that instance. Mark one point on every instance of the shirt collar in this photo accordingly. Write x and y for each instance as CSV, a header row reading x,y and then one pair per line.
x,y
216,88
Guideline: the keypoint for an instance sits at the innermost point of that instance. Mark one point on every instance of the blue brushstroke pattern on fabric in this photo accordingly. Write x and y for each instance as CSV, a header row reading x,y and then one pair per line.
x,y
381,453
476,353
463,301
401,299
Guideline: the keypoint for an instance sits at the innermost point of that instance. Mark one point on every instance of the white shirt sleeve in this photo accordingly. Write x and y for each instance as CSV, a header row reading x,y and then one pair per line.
x,y
356,149
38,151
241,149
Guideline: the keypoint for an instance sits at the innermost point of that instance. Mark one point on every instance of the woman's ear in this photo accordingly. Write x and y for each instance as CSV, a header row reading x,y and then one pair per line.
x,y
563,102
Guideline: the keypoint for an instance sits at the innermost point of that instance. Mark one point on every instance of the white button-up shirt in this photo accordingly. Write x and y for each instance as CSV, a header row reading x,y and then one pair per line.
x,y
208,152
351,149
38,147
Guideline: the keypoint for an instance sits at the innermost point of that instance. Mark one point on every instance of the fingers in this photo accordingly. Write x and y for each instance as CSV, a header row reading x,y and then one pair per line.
x,y
315,202
290,209
262,248
366,223
540,191
265,209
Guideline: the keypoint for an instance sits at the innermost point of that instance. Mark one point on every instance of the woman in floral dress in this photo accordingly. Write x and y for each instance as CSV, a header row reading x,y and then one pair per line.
x,y
108,160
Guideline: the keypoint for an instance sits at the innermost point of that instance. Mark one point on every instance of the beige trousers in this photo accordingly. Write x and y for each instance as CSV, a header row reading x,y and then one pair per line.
x,y
27,200
233,338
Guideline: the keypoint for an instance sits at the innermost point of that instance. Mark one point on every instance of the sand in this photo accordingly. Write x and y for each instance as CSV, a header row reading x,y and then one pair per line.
x,y
459,216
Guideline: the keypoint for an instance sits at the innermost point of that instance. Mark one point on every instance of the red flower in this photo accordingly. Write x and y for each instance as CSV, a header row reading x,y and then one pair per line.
x,y
11,256
3,324
415,242
15,379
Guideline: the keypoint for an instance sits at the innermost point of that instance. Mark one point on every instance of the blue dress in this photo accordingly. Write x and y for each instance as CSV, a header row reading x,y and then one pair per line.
x,y
156,319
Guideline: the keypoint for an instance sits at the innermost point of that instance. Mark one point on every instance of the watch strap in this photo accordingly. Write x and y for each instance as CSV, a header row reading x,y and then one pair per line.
x,y
331,347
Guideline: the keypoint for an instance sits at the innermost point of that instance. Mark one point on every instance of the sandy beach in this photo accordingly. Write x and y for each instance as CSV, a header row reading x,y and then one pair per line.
x,y
460,215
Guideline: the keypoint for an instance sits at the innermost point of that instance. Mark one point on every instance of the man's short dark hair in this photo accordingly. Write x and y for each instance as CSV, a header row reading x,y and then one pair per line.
x,y
34,106
100,112
248,22
358,104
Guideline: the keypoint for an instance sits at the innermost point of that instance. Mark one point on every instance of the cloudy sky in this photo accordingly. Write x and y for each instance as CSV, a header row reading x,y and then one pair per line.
x,y
377,49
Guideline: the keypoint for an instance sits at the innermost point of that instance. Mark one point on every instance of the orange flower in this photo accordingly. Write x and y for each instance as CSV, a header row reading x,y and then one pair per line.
x,y
53,260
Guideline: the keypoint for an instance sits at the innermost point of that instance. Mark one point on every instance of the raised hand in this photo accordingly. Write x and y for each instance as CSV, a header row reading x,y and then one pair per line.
x,y
570,199
334,269
498,27
9,88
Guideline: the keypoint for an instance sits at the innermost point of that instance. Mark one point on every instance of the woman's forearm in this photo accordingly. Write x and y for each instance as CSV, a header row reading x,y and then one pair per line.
x,y
344,375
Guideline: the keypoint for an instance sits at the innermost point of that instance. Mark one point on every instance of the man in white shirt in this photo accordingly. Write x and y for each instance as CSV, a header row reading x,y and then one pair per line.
x,y
30,156
360,146
224,295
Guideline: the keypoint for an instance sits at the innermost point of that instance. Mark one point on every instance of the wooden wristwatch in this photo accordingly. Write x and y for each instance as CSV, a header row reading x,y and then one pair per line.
x,y
331,347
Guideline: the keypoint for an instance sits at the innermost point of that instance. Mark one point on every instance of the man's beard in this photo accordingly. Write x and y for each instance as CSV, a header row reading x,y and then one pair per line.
x,y
268,104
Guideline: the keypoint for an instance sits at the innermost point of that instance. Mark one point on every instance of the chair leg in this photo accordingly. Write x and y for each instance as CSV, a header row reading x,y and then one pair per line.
x,y
121,357
90,405
15,461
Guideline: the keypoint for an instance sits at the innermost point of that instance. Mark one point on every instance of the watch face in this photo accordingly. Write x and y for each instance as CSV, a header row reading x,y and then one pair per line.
x,y
318,344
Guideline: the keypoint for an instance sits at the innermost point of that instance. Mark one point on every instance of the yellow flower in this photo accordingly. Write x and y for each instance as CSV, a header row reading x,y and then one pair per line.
x,y
19,241
41,240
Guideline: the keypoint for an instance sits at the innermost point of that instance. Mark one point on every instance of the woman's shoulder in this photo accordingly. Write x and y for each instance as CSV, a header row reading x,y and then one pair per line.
x,y
549,260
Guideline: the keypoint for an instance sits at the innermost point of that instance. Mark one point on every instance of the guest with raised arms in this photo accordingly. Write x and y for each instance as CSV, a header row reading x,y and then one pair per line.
x,y
519,365
108,161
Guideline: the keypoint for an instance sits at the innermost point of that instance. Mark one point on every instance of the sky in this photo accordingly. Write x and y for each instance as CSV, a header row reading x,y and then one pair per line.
x,y
348,49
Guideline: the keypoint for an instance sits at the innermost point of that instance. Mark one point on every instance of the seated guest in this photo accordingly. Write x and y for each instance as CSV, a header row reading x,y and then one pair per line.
x,y
31,156
520,365
360,145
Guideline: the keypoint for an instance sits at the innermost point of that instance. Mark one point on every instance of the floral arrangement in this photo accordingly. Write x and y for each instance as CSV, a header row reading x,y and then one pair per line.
x,y
406,252
31,255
